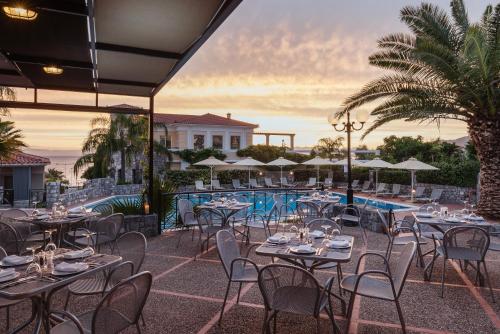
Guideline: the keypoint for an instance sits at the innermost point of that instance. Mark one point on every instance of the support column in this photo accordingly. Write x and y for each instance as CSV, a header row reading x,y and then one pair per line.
x,y
150,152
292,142
267,139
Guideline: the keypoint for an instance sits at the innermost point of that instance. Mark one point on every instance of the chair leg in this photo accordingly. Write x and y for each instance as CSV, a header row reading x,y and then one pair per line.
x,y
318,326
264,324
143,321
400,314
7,323
420,257
442,277
239,291
179,239
487,276
349,311
138,328
225,300
66,303
339,278
274,321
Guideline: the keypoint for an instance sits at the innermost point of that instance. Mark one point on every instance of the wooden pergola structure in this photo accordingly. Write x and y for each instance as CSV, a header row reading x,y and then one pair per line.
x,y
122,47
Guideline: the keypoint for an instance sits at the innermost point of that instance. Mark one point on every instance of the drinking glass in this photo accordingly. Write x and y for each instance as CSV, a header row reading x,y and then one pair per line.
x,y
88,236
295,230
34,267
51,246
326,228
335,233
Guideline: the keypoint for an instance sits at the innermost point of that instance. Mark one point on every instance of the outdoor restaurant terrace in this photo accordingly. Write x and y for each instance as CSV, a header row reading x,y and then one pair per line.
x,y
271,255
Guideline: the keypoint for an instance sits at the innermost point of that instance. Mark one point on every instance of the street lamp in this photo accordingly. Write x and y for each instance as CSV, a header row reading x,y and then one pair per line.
x,y
349,127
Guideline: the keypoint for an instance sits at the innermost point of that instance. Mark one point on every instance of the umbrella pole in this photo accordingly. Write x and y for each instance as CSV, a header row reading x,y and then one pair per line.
x,y
211,177
248,177
281,176
412,177
376,181
317,176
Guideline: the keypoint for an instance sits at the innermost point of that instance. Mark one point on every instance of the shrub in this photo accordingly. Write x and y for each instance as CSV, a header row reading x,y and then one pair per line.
x,y
128,205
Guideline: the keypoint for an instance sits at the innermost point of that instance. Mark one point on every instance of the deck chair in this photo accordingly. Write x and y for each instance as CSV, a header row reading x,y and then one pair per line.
x,y
254,184
396,189
284,183
434,197
328,182
381,189
311,183
366,187
269,183
216,185
198,185
419,192
237,184
354,185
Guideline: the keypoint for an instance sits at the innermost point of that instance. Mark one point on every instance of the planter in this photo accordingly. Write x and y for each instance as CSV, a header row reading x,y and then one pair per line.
x,y
146,224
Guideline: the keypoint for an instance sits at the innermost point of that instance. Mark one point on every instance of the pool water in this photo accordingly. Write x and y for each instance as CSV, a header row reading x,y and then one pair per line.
x,y
262,201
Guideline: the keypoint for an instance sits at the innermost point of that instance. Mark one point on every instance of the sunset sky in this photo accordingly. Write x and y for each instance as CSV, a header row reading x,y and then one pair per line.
x,y
283,64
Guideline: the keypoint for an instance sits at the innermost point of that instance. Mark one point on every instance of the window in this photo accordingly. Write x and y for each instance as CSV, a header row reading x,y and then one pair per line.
x,y
166,141
199,142
235,142
217,142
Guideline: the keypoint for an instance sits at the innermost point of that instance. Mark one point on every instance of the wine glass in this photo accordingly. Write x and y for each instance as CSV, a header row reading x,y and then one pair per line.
x,y
34,267
83,199
88,236
335,233
295,230
326,228
51,246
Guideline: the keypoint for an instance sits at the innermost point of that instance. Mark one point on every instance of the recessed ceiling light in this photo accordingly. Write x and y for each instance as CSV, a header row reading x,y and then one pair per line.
x,y
20,13
53,69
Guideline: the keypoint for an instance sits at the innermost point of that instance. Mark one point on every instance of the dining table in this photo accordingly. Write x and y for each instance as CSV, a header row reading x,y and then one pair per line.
x,y
322,254
225,210
320,203
41,288
442,223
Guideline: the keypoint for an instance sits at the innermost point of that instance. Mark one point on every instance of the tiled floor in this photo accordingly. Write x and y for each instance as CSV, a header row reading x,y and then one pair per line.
x,y
187,295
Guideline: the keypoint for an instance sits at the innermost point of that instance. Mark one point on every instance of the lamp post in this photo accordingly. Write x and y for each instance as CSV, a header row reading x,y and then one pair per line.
x,y
349,127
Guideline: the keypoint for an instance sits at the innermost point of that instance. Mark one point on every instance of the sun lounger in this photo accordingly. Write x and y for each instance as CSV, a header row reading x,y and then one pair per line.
x,y
284,183
354,185
434,197
396,188
269,183
237,184
328,182
311,183
216,185
254,184
198,185
419,192
366,187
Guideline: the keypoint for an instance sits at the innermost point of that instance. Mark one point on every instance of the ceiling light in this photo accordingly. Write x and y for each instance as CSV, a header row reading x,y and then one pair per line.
x,y
20,13
52,69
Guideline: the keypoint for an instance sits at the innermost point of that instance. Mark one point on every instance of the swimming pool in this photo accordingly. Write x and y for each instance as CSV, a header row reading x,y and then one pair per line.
x,y
262,201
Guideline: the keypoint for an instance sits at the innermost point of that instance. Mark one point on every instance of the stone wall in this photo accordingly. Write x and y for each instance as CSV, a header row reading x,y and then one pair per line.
x,y
92,189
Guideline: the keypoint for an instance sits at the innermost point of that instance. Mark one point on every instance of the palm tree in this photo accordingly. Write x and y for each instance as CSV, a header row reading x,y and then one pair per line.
x,y
447,68
329,148
6,93
10,139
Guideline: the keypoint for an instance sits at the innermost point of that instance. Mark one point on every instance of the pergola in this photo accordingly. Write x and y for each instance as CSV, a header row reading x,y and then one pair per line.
x,y
123,47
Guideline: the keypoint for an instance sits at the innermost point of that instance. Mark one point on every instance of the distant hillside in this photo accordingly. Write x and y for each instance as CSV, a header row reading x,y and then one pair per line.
x,y
460,142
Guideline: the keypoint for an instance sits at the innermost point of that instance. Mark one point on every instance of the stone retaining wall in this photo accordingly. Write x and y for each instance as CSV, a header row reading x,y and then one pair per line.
x,y
93,189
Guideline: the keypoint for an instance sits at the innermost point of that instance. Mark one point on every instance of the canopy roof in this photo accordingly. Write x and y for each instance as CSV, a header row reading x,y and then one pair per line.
x,y
281,162
125,47
211,161
343,162
249,162
318,161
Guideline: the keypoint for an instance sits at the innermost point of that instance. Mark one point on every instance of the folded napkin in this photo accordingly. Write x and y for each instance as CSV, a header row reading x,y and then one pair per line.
x,y
338,244
42,216
76,254
71,267
14,260
304,249
424,215
278,238
7,272
473,216
317,234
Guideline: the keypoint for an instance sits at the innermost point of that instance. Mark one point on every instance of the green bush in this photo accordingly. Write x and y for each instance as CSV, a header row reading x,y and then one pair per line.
x,y
187,177
128,205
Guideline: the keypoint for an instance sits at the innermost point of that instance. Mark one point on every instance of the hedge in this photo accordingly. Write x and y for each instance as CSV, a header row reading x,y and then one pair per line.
x,y
187,177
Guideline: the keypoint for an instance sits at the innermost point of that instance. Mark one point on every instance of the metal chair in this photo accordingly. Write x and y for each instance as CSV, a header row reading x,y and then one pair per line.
x,y
9,239
351,213
187,216
27,233
6,303
131,246
397,237
464,243
119,309
291,289
235,266
306,212
207,228
106,232
281,211
388,287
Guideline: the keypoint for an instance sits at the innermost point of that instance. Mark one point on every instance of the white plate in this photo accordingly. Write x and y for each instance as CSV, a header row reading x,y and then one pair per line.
x,y
66,273
453,220
475,218
9,277
298,250
281,241
338,244
76,255
27,259
317,234
424,215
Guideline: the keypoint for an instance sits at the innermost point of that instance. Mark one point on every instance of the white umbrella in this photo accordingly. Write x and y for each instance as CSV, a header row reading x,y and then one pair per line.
x,y
318,161
211,162
377,164
281,162
249,162
343,162
413,165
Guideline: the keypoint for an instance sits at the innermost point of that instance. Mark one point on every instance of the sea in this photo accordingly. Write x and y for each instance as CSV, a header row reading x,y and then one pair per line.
x,y
62,160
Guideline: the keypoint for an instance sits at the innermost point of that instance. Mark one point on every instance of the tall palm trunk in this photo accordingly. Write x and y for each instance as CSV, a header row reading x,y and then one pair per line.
x,y
121,176
485,134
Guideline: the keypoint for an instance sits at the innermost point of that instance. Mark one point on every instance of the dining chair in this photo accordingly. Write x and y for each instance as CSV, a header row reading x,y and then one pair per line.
x,y
6,303
291,289
119,309
400,234
384,284
9,239
187,216
306,212
29,234
106,232
352,215
464,243
234,265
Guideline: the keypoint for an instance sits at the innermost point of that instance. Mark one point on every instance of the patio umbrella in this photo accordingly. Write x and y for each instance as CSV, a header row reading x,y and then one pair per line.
x,y
211,162
413,165
377,164
343,162
281,162
249,162
318,161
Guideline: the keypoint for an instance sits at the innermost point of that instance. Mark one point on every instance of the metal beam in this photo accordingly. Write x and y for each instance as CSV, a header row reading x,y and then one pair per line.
x,y
18,58
151,153
9,72
72,107
127,83
137,51
226,9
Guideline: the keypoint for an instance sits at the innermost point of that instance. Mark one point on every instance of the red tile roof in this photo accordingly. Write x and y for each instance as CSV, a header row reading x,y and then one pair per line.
x,y
24,159
205,119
